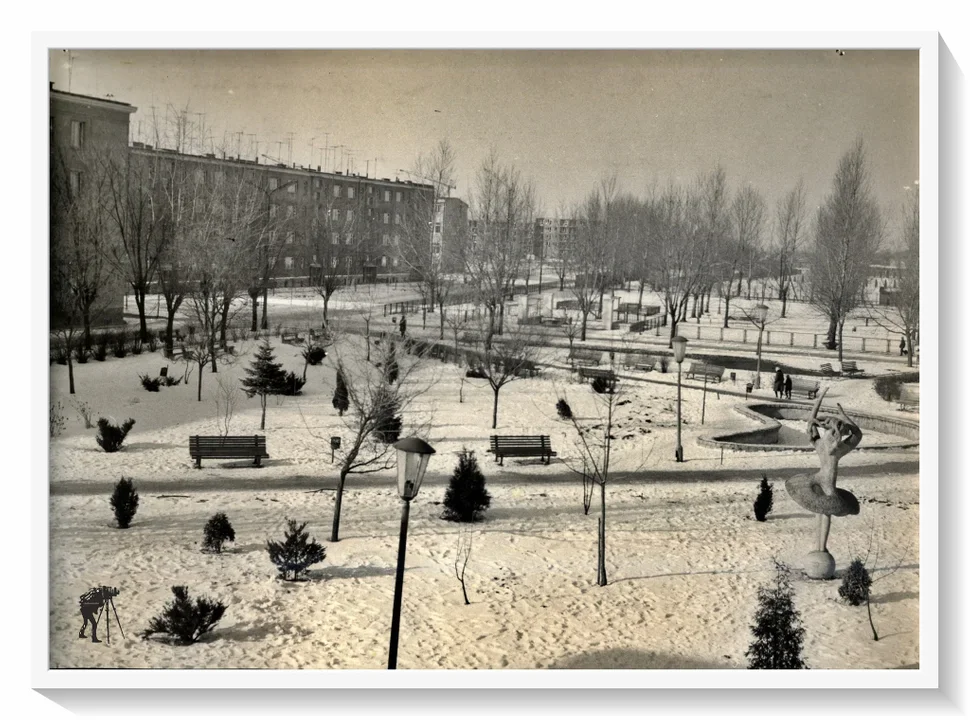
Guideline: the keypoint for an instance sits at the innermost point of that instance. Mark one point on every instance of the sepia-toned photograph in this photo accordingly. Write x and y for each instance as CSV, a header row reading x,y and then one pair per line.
x,y
484,359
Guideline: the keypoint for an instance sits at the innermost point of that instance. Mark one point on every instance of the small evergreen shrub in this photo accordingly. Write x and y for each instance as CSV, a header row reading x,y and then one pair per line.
x,y
169,380
388,426
778,632
314,354
216,533
296,553
562,407
101,342
664,363
124,502
292,384
603,385
111,437
152,341
59,353
184,620
81,353
855,583
466,497
888,387
149,383
341,399
136,346
119,343
763,503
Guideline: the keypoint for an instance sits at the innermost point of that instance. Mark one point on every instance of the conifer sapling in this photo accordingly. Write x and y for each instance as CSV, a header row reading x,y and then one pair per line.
x,y
777,629
765,500
855,583
124,502
184,620
296,553
466,497
216,533
264,377
341,399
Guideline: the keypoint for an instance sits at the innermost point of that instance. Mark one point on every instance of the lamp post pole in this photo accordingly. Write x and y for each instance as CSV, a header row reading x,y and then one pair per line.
x,y
680,348
398,587
761,314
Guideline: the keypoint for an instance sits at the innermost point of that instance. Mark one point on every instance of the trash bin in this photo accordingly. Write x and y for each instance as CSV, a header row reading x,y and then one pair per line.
x,y
734,377
163,372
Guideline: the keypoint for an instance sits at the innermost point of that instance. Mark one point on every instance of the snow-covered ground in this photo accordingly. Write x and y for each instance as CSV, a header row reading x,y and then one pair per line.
x,y
684,554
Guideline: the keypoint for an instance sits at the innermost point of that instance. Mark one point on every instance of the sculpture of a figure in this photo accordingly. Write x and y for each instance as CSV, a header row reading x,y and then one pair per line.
x,y
832,438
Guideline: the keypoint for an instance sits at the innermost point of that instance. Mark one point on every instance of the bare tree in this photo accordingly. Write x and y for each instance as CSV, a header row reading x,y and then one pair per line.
x,y
901,315
848,233
462,554
790,221
595,249
741,242
373,402
504,361
226,400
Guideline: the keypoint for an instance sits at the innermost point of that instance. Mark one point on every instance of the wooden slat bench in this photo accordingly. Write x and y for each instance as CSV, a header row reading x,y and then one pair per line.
x,y
640,362
580,356
713,373
178,352
851,369
230,447
827,370
521,446
803,385
909,397
291,336
588,373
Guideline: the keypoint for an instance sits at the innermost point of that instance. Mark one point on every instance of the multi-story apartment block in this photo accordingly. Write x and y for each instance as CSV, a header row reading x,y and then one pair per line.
x,y
552,236
87,135
449,228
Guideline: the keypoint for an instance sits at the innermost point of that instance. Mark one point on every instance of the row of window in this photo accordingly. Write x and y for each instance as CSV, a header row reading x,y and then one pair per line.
x,y
337,190
290,263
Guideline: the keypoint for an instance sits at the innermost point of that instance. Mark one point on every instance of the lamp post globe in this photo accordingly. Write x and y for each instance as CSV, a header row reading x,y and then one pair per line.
x,y
680,350
412,461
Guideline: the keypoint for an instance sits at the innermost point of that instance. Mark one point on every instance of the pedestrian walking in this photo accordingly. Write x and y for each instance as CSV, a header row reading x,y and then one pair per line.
x,y
902,345
788,384
779,385
404,325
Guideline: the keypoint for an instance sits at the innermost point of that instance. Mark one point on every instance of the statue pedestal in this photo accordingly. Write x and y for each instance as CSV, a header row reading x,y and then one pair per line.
x,y
820,565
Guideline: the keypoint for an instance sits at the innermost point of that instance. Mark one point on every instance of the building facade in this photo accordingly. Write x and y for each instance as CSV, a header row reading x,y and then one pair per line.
x,y
88,137
552,236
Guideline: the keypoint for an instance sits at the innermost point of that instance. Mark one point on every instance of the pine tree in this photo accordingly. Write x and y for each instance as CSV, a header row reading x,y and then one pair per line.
x,y
124,502
264,377
388,425
765,500
341,401
185,621
855,583
216,533
296,553
778,632
466,498
391,369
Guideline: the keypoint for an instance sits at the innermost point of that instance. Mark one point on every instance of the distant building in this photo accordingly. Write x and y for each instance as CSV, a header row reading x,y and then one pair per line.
x,y
86,134
450,227
552,236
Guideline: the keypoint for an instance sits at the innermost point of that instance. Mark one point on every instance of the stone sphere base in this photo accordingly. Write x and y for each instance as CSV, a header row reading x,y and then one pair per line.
x,y
820,565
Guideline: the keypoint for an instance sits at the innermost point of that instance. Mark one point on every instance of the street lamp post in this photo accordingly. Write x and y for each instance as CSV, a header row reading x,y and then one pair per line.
x,y
412,460
680,349
759,317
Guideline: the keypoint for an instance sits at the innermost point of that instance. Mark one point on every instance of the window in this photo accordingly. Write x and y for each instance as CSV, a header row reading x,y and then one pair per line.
x,y
333,262
397,196
385,238
274,183
336,191
397,239
387,218
397,218
335,214
350,193
437,227
383,261
316,182
75,180
387,196
289,238
288,263
394,262
272,236
370,189
77,134
289,209
350,215
335,240
314,257
272,211
291,188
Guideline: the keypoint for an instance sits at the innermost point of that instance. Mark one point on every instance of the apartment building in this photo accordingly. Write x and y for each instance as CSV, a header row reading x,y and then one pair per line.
x,y
552,236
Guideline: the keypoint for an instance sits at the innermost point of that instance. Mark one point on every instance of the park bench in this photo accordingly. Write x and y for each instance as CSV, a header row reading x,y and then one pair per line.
x,y
179,352
849,368
640,362
291,336
909,397
588,373
555,321
473,338
579,356
827,370
227,448
527,368
521,446
803,385
712,373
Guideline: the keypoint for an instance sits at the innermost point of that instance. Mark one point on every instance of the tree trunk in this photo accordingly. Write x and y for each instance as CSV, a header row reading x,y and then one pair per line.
x,y
727,308
831,333
841,326
335,531
262,402
199,396
640,296
326,303
169,331
212,349
140,294
582,329
601,560
87,326
265,324
495,409
254,300
441,319
783,295
70,370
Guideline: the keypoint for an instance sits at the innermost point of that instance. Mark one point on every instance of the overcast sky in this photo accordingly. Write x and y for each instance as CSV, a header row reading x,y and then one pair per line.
x,y
565,118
